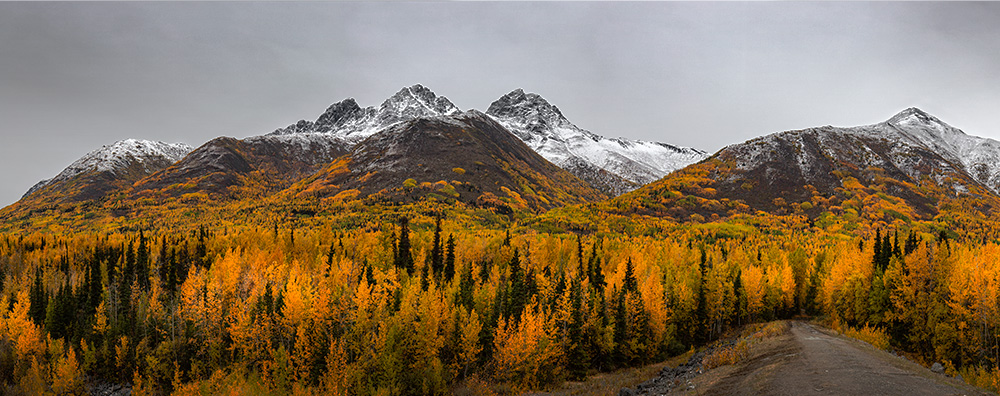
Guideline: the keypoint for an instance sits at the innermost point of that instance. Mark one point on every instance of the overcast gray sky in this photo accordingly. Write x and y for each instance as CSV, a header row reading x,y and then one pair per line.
x,y
75,76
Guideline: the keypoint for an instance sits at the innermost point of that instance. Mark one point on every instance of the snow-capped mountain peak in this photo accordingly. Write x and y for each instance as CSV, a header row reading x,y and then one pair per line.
x,y
534,112
112,157
912,116
914,119
917,126
118,157
979,156
349,121
616,165
417,101
337,114
613,165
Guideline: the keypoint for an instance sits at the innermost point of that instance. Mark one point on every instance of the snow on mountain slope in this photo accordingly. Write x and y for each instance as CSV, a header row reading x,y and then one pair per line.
x,y
543,127
612,165
322,147
493,165
352,123
118,157
911,128
897,157
979,156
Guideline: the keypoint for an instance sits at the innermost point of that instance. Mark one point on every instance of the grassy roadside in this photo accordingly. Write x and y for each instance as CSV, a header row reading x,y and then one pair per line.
x,y
610,383
599,384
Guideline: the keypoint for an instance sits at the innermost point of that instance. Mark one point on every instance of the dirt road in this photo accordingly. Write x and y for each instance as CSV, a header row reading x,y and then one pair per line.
x,y
809,361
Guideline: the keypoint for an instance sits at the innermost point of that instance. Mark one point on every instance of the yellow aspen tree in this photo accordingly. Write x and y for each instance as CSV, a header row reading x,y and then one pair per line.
x,y
298,293
525,353
336,380
431,324
67,378
784,282
470,347
912,298
652,292
101,319
89,358
193,298
26,336
121,353
245,332
33,381
754,285
302,353
720,301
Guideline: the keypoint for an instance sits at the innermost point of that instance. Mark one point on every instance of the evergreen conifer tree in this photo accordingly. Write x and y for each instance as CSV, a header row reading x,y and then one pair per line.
x,y
38,300
517,288
577,358
437,251
449,258
630,284
465,286
142,263
594,268
404,258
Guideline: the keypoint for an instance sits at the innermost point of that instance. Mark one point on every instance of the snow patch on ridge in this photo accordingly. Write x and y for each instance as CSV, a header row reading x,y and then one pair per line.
x,y
980,157
118,156
543,128
351,123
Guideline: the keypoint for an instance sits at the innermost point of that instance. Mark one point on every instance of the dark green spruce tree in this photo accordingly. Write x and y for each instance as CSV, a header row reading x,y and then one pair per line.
x,y
38,300
449,258
404,258
577,357
437,251
518,290
142,263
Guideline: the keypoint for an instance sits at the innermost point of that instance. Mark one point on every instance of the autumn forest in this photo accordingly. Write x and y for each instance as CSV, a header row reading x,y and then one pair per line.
x,y
419,303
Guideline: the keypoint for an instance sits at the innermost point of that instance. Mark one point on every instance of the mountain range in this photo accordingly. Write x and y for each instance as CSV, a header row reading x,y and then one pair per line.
x,y
262,165
522,153
610,165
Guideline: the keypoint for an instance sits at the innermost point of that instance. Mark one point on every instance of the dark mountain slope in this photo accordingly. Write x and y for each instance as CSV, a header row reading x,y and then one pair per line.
x,y
870,168
253,167
468,157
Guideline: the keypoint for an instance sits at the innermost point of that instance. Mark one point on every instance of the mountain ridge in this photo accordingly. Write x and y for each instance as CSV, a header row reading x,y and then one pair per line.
x,y
626,164
612,165
126,159
466,157
352,123
905,167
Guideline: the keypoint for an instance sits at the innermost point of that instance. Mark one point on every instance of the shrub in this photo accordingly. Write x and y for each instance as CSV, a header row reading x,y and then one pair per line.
x,y
981,376
725,356
871,335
